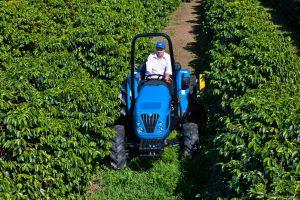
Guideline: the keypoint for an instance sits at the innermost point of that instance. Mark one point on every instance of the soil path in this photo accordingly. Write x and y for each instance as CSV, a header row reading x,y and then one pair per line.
x,y
182,28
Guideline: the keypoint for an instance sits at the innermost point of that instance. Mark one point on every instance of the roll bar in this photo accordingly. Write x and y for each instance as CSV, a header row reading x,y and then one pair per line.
x,y
132,63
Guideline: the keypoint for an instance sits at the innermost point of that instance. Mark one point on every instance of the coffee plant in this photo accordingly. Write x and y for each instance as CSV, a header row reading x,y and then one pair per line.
x,y
252,100
262,144
61,64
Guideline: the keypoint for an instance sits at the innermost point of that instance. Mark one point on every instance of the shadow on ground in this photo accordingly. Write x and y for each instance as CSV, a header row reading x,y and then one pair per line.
x,y
200,174
290,28
201,45
140,164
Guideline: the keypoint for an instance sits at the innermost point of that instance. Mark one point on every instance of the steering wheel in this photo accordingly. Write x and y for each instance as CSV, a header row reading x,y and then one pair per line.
x,y
154,77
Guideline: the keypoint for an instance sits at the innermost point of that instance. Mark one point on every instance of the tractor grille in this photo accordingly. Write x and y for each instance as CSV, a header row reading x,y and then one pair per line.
x,y
150,121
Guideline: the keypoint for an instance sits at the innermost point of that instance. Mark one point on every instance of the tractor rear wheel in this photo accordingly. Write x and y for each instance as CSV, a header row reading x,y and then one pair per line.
x,y
117,151
190,138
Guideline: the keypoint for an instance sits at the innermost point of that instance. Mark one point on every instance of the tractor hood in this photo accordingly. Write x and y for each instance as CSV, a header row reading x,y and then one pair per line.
x,y
153,99
152,112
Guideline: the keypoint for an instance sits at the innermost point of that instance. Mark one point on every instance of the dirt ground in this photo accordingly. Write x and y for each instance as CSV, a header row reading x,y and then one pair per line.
x,y
182,28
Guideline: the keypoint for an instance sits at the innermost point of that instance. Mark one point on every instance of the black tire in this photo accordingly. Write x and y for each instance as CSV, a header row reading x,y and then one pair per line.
x,y
190,138
118,158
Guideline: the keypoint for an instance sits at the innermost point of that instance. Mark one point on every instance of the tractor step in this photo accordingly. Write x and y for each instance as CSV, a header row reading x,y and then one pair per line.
x,y
151,154
152,145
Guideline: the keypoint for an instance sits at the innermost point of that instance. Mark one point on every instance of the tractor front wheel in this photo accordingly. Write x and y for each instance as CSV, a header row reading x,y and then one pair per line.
x,y
117,150
190,138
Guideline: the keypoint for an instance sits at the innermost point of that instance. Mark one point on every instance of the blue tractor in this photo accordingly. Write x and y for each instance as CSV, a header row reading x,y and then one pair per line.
x,y
151,111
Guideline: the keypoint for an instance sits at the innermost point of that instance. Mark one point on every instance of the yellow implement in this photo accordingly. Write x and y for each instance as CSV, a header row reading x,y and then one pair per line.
x,y
201,82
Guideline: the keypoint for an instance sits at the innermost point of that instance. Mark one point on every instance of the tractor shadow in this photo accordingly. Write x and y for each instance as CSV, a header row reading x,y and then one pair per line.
x,y
140,164
201,177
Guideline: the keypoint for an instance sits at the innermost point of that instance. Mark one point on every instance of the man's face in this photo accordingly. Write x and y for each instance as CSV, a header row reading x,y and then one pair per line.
x,y
160,52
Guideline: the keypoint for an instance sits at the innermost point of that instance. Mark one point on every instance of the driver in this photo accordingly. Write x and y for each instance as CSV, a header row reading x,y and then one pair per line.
x,y
159,62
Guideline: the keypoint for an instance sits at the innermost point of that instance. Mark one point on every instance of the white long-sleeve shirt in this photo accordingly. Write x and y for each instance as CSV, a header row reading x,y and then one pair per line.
x,y
162,66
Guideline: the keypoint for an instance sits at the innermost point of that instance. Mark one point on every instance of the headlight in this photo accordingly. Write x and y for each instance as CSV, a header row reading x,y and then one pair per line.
x,y
139,127
160,127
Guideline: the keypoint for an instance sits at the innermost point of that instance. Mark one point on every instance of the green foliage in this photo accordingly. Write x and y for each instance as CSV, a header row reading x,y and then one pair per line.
x,y
246,49
144,179
61,63
262,142
252,100
171,177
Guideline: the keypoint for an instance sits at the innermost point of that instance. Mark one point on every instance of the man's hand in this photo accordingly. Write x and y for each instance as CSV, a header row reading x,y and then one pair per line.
x,y
168,78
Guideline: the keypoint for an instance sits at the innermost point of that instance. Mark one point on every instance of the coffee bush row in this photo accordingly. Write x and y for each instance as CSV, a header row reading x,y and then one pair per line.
x,y
252,100
61,64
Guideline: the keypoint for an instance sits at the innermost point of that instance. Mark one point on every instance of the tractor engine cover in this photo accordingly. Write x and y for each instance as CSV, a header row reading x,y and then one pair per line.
x,y
152,111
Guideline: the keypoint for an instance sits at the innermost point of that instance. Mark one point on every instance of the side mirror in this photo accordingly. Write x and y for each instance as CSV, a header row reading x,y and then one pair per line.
x,y
185,83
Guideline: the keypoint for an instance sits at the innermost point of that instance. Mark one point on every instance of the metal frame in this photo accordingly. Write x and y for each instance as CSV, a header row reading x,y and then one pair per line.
x,y
174,96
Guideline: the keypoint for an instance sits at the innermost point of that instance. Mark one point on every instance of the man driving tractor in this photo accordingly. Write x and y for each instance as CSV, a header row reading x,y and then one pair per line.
x,y
149,111
159,62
